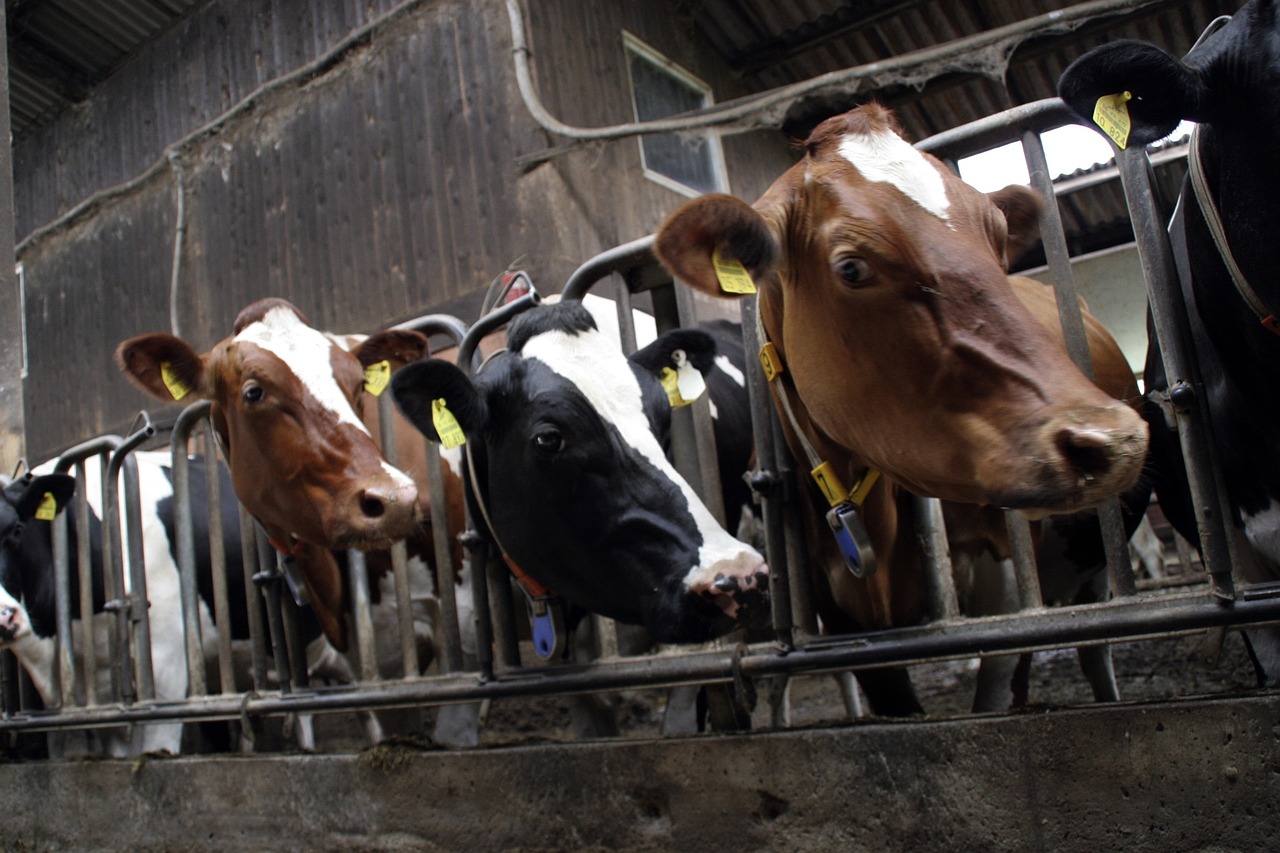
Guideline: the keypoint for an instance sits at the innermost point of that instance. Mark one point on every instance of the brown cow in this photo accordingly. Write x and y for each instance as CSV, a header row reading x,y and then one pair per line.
x,y
287,408
906,349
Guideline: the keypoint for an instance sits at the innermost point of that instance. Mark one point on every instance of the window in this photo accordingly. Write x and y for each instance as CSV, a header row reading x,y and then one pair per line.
x,y
688,164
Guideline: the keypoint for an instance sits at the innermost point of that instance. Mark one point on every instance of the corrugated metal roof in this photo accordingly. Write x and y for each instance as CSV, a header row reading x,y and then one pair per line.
x,y
60,49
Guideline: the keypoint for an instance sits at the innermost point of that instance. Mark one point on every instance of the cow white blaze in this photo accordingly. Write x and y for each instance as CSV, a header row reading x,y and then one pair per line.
x,y
594,365
885,157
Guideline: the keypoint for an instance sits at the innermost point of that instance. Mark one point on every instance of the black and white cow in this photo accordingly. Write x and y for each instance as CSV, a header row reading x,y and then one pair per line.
x,y
1230,85
567,438
27,609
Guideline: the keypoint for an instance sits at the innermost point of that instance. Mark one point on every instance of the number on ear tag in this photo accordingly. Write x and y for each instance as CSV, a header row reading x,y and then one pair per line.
x,y
1112,115
377,377
688,378
48,508
172,381
731,274
447,426
851,536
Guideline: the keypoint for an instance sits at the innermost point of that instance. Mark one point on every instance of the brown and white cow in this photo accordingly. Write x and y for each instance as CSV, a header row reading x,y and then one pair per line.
x,y
288,405
906,349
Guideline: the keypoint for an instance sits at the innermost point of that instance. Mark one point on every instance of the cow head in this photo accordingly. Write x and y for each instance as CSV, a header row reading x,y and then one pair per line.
x,y
24,550
883,285
1229,83
287,404
566,436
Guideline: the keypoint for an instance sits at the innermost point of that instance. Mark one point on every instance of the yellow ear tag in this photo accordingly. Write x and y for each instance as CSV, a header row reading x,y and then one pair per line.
x,y
731,274
1112,115
447,427
48,508
671,384
177,388
377,377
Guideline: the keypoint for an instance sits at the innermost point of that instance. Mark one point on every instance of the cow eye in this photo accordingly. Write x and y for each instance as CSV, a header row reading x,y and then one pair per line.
x,y
548,440
252,392
853,270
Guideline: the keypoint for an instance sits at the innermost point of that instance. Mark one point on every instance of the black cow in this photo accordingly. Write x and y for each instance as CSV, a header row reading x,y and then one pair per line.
x,y
1230,84
567,435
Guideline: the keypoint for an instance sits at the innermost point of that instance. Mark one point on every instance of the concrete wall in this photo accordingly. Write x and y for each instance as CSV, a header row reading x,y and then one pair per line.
x,y
1189,776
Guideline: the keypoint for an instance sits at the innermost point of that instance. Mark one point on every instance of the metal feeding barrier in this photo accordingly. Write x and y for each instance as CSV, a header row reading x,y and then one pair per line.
x,y
495,668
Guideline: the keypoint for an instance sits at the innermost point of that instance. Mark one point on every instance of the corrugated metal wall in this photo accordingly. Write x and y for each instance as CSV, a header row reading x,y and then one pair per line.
x,y
383,188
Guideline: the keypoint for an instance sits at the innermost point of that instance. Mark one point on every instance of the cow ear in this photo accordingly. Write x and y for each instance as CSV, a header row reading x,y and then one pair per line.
x,y
47,493
1164,90
417,386
397,346
715,224
163,365
1022,208
698,346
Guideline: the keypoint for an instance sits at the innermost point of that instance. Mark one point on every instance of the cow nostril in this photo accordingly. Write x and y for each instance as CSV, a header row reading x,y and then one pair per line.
x,y
1087,451
372,506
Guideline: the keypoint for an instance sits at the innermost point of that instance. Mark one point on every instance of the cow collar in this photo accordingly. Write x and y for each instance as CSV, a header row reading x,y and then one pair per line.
x,y
851,535
1213,219
546,609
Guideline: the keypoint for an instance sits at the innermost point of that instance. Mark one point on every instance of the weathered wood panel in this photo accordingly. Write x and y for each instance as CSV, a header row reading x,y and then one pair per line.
x,y
384,188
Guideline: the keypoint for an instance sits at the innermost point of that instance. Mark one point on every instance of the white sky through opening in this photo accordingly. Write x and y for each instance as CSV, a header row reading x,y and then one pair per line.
x,y
1068,149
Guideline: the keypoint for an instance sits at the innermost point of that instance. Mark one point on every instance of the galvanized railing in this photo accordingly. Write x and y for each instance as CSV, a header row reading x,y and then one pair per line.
x,y
497,669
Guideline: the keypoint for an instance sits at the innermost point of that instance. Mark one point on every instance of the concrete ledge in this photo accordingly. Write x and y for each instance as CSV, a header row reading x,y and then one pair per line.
x,y
1195,775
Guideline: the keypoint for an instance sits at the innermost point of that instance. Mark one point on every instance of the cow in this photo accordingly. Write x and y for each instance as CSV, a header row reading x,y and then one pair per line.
x,y
1228,85
905,358
565,437
287,409
27,609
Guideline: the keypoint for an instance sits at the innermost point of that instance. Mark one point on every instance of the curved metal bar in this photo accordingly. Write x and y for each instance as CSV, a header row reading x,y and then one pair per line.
x,y
619,259
490,323
184,533
136,601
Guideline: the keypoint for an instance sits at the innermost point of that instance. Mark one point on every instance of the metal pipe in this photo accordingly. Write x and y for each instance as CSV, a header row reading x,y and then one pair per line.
x,y
399,550
252,539
491,322
932,529
218,562
616,260
1062,627
134,604
1169,318
185,541
358,583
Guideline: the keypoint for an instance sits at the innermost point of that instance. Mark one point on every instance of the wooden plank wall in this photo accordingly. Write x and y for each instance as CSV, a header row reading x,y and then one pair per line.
x,y
384,188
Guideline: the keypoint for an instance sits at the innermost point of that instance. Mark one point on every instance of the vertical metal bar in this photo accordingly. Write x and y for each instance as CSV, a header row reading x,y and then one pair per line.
x,y
767,480
933,539
1119,569
450,657
1024,560
358,582
217,563
84,563
268,581
1169,317
291,621
503,605
251,540
480,601
138,610
65,654
399,550
184,533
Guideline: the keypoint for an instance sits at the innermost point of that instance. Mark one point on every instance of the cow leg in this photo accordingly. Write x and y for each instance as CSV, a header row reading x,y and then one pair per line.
x,y
994,690
1263,645
780,702
889,692
681,716
849,693
1100,672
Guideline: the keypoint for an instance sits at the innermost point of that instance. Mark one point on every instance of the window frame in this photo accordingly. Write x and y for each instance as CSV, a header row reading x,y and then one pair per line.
x,y
633,48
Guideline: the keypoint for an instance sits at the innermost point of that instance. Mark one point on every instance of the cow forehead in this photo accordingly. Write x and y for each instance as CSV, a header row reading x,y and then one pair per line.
x,y
884,157
307,353
595,366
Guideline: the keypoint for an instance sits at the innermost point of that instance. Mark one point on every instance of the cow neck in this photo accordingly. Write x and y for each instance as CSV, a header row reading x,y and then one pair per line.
x,y
824,475
1213,219
534,591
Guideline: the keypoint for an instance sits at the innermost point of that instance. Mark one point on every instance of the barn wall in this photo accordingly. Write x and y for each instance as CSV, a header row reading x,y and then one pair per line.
x,y
383,187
